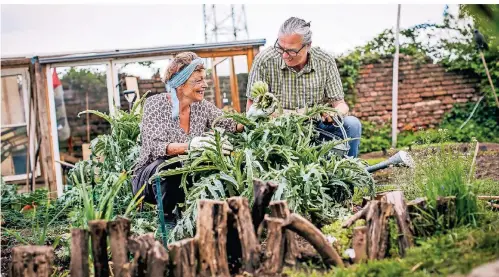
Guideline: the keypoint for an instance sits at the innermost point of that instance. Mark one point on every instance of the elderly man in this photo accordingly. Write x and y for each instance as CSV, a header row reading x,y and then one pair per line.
x,y
300,76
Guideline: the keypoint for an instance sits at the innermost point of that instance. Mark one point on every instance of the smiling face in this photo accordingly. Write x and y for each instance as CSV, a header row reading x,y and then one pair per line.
x,y
292,44
193,89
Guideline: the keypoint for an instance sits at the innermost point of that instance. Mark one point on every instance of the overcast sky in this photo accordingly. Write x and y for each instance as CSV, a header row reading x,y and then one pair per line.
x,y
40,29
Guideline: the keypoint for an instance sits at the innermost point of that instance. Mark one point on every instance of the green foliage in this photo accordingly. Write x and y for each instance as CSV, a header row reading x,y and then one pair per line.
x,y
282,150
440,170
103,183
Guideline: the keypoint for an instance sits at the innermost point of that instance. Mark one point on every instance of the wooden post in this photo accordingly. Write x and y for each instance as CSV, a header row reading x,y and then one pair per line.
x,y
32,261
79,266
308,231
234,89
216,84
157,260
119,230
212,238
280,209
376,214
183,258
262,192
98,232
490,79
359,243
245,230
140,246
403,221
47,158
273,257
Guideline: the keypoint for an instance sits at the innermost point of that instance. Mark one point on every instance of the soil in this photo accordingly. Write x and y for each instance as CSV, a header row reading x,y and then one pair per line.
x,y
487,163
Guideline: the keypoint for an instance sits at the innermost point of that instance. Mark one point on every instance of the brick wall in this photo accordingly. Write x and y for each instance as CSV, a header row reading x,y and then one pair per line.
x,y
426,92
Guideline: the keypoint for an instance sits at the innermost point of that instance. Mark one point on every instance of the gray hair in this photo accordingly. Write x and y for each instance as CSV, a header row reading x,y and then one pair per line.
x,y
295,25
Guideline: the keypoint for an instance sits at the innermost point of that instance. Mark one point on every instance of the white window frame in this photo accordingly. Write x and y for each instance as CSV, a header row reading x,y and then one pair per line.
x,y
113,94
24,72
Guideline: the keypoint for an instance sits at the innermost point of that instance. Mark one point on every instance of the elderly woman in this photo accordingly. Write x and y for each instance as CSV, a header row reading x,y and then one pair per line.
x,y
174,123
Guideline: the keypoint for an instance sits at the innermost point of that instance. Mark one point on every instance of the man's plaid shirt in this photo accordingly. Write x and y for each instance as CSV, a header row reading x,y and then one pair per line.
x,y
317,83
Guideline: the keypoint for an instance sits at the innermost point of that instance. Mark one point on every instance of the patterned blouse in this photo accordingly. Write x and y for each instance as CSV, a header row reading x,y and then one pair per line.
x,y
158,129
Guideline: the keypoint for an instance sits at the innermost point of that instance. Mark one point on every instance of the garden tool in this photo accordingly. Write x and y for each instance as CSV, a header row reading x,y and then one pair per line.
x,y
402,158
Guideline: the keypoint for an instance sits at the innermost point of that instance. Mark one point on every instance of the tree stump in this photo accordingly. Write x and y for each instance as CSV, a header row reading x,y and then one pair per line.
x,y
79,266
157,260
279,209
98,232
262,192
405,238
32,261
139,247
118,231
376,214
308,231
244,230
273,258
359,243
212,237
183,257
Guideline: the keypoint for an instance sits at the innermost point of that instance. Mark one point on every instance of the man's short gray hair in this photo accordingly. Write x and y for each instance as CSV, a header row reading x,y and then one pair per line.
x,y
295,25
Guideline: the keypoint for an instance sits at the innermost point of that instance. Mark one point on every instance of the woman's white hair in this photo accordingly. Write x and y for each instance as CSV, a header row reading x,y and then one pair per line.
x,y
295,25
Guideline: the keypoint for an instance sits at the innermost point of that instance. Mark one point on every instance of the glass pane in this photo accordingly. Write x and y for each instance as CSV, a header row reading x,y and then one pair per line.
x,y
148,76
223,73
13,100
241,68
14,149
77,89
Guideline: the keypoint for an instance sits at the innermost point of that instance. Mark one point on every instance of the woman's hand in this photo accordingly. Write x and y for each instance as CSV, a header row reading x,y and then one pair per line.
x,y
202,142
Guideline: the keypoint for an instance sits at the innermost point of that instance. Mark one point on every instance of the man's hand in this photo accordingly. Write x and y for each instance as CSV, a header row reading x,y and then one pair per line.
x,y
203,142
269,103
328,118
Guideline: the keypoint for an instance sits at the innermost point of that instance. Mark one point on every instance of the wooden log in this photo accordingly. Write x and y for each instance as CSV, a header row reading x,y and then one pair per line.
x,y
494,206
376,214
212,238
139,247
79,266
308,231
405,238
98,233
488,197
359,243
279,209
32,261
250,247
273,258
118,231
183,257
157,260
262,192
386,211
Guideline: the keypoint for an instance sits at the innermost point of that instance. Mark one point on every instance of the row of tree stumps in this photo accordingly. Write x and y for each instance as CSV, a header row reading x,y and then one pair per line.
x,y
227,242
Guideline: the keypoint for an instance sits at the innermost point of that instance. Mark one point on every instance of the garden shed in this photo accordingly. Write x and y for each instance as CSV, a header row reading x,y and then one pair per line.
x,y
42,134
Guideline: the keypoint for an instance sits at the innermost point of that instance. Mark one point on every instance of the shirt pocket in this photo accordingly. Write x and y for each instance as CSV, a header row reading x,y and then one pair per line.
x,y
314,94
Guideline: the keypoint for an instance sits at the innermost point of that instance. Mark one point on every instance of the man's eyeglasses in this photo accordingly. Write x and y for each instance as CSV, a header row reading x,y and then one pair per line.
x,y
290,52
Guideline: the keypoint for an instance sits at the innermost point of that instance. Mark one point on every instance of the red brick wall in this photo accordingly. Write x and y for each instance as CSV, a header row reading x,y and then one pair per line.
x,y
426,92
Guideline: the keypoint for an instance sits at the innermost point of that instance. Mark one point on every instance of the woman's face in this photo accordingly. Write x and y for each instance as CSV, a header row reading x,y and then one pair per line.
x,y
195,86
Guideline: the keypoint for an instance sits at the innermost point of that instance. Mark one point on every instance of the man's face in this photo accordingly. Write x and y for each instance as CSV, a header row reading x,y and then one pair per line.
x,y
294,53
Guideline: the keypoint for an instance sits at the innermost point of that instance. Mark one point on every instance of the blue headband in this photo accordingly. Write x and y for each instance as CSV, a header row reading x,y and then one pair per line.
x,y
177,80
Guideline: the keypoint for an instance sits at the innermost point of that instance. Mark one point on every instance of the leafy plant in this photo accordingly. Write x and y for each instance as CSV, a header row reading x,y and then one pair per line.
x,y
282,149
